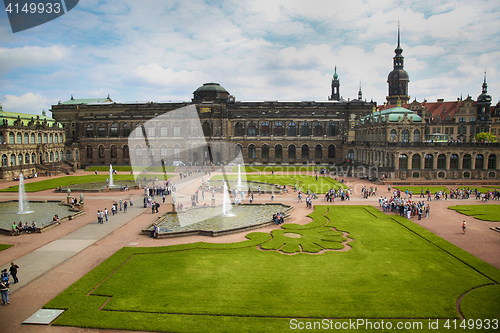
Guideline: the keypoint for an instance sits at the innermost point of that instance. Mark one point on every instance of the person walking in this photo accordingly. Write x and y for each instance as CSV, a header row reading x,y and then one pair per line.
x,y
106,214
4,290
125,204
464,226
13,272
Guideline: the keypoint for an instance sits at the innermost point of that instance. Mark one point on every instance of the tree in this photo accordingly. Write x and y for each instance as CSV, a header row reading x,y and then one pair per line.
x,y
485,136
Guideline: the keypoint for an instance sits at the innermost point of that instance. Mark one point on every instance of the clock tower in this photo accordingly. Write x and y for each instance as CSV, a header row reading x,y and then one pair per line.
x,y
398,79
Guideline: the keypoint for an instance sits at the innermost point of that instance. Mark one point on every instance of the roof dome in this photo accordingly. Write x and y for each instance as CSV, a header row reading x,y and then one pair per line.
x,y
211,87
398,74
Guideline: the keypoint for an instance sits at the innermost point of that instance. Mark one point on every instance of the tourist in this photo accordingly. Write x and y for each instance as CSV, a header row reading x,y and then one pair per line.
x,y
157,206
464,225
33,226
154,206
13,271
20,227
98,216
113,209
4,290
106,214
121,205
56,219
125,204
15,232
4,276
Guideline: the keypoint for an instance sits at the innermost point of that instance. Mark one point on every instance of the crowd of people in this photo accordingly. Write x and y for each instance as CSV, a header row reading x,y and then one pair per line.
x,y
18,228
5,281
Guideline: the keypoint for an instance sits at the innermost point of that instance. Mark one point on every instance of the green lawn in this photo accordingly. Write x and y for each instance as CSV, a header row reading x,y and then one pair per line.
x,y
417,189
322,185
128,168
277,168
4,246
395,270
480,212
53,183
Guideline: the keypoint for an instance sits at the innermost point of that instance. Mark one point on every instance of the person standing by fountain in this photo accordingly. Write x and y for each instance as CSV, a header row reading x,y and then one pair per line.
x,y
4,290
13,271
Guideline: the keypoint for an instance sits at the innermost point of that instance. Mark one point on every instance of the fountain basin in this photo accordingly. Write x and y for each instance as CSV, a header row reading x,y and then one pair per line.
x,y
100,186
42,214
208,221
254,186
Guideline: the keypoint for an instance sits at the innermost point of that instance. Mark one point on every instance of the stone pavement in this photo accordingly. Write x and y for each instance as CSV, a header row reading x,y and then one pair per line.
x,y
50,262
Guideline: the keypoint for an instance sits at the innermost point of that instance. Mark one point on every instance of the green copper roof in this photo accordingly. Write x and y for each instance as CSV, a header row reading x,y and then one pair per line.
x,y
211,87
393,115
11,117
74,101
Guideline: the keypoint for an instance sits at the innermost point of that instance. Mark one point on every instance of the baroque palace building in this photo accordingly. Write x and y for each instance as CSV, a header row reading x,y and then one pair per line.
x,y
29,144
402,139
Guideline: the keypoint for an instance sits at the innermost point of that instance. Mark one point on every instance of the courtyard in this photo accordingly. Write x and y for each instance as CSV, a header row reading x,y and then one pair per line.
x,y
342,260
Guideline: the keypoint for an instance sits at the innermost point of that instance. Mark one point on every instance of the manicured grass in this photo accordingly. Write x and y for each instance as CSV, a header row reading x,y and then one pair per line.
x,y
482,303
128,168
417,189
4,246
278,168
322,185
480,212
395,269
53,183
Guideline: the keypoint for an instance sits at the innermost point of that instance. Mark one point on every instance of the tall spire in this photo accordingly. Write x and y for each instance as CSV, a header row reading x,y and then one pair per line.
x,y
360,93
335,87
485,85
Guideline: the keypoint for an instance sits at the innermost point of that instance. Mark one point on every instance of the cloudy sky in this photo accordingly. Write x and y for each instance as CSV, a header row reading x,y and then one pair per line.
x,y
161,50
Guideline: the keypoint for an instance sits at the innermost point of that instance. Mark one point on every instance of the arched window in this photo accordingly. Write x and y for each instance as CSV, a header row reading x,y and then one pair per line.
x,y
151,151
89,131
454,162
265,151
138,153
151,132
428,161
318,129
46,157
4,160
12,159
45,138
2,139
467,162
405,135
51,138
416,135
331,129
492,162
292,129
264,129
350,154
20,159
177,131
101,131
318,151
56,138
393,135
125,151
304,129
90,153
292,152
403,162
39,138
416,161
33,158
441,162
68,155
113,130
125,129
32,136
238,129
114,151
12,138
163,151
479,161
101,151
207,131
252,129
305,151
237,150
26,138
278,151
19,138
278,129
163,130
56,155
27,158
331,151
76,155
251,151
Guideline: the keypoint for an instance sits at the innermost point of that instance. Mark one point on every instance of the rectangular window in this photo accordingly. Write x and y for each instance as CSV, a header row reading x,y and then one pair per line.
x,y
461,120
472,119
177,152
163,131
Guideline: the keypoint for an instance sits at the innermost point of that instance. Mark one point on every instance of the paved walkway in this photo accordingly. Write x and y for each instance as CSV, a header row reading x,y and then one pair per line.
x,y
52,261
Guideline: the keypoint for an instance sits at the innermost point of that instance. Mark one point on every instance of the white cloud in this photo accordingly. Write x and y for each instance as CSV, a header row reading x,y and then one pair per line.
x,y
26,56
155,74
27,103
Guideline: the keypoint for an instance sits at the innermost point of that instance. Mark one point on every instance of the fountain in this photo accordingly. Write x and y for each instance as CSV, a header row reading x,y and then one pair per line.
x,y
111,176
23,207
239,186
226,203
